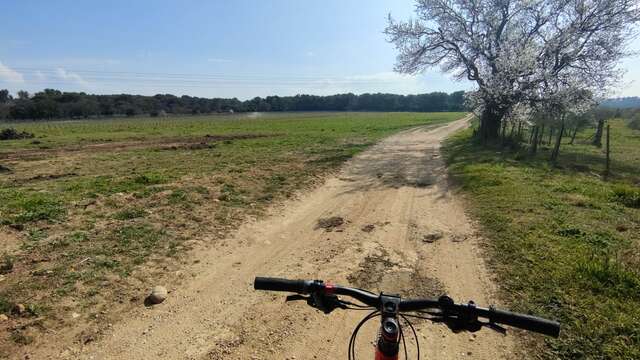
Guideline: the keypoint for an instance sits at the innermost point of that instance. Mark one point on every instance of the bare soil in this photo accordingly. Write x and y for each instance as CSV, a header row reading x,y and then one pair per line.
x,y
107,145
398,191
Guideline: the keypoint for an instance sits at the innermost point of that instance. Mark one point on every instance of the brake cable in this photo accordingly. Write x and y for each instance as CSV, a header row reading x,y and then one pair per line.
x,y
354,334
415,334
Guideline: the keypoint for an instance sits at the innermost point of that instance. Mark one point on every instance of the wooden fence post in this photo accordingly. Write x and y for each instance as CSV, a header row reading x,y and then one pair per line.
x,y
607,170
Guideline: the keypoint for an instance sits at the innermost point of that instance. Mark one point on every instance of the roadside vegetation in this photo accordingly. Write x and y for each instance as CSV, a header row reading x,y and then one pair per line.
x,y
564,241
93,213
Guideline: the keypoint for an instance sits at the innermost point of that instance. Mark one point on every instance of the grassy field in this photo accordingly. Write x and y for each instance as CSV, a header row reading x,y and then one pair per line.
x,y
564,241
91,210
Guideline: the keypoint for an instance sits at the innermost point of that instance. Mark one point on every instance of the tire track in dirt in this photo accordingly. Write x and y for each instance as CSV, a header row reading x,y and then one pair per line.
x,y
397,191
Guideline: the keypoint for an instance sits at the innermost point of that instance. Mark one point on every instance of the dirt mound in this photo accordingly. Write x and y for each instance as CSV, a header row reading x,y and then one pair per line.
x,y
329,224
379,272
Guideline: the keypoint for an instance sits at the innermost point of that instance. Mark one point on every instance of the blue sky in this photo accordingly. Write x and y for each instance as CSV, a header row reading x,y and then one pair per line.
x,y
240,48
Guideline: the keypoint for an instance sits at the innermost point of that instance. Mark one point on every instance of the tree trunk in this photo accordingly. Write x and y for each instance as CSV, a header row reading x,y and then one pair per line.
x,y
540,135
519,130
532,132
573,136
597,138
550,136
534,143
556,148
490,123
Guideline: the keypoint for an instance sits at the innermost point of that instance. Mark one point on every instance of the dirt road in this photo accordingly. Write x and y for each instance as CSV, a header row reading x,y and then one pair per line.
x,y
403,231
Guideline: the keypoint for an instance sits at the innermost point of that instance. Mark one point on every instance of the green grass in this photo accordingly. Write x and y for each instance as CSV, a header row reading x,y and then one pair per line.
x,y
564,241
129,214
96,201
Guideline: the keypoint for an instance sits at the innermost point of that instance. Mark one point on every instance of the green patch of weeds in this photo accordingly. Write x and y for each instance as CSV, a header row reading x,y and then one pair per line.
x,y
150,178
201,190
6,264
137,241
21,338
142,185
148,191
35,310
102,262
36,235
30,207
178,196
627,195
77,236
231,195
5,304
608,277
129,214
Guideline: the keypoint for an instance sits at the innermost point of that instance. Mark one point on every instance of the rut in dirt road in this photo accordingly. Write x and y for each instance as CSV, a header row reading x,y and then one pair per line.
x,y
400,230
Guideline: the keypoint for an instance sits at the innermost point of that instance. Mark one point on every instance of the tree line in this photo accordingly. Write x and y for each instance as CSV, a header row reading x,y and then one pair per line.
x,y
622,103
55,104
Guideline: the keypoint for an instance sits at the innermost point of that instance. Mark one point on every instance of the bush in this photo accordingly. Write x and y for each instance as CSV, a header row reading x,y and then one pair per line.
x,y
13,134
627,195
635,123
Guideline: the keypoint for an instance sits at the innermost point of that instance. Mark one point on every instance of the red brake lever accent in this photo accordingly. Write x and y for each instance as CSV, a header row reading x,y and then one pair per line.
x,y
329,288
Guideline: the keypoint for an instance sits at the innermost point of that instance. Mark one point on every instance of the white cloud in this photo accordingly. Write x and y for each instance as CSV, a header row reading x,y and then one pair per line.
x,y
218,60
69,76
86,61
39,76
9,75
390,82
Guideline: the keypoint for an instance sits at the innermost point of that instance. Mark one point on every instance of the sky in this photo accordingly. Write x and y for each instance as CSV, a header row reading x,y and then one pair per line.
x,y
240,48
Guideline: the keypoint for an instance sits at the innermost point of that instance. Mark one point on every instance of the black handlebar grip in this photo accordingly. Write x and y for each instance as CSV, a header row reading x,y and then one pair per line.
x,y
526,322
275,284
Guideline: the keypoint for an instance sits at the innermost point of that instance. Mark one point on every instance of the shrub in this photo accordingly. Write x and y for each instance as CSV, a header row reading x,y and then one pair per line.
x,y
635,123
13,134
627,195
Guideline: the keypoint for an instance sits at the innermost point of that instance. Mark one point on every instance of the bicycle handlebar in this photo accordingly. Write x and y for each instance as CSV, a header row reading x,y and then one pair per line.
x,y
522,321
275,284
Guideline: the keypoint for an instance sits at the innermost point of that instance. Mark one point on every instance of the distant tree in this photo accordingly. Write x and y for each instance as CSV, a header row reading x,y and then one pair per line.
x,y
23,95
634,123
5,96
577,122
622,103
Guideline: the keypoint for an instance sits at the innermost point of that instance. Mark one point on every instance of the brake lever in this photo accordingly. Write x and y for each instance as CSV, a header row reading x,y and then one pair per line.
x,y
495,327
296,297
322,302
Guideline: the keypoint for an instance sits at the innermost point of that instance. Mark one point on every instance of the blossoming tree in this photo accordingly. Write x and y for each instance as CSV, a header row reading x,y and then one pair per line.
x,y
518,51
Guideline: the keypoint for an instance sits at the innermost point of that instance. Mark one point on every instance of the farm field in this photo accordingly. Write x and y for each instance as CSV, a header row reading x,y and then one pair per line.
x,y
564,242
94,213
